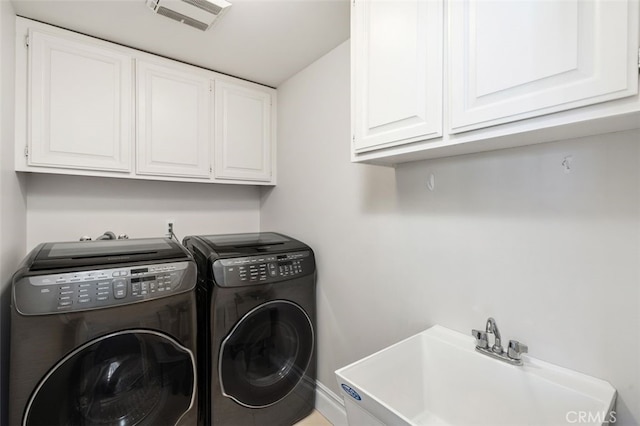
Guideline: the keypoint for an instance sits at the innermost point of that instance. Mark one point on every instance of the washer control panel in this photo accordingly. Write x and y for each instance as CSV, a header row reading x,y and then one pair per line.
x,y
76,291
249,270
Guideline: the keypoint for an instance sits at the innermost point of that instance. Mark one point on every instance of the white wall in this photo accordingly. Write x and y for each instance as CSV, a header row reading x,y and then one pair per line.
x,y
553,256
64,208
12,203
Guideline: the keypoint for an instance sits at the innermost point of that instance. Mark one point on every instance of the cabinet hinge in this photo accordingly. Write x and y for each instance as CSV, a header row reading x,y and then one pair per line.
x,y
210,169
26,40
26,151
353,139
638,58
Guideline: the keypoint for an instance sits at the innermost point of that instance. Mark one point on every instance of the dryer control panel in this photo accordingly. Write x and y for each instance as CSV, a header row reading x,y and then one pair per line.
x,y
240,271
82,290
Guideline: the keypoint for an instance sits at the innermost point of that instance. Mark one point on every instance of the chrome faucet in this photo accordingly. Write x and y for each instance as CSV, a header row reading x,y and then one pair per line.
x,y
514,351
492,328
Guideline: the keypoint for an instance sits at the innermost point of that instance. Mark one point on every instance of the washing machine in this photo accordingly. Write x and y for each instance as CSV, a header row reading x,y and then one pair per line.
x,y
257,307
104,333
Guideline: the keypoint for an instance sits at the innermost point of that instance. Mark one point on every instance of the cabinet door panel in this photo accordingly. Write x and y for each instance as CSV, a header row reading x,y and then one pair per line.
x,y
80,104
173,121
243,132
396,72
514,60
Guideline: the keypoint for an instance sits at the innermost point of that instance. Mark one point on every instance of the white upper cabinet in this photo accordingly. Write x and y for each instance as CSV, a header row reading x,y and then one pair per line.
x,y
396,72
88,107
244,131
79,104
511,60
488,74
173,107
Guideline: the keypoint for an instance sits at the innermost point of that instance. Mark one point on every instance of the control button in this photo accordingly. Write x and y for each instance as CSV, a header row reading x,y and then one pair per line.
x,y
116,274
124,273
273,270
84,300
65,303
102,298
119,289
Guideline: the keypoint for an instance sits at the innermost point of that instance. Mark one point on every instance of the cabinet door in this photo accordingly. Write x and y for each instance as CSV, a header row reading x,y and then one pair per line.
x,y
173,105
396,72
79,104
517,59
243,131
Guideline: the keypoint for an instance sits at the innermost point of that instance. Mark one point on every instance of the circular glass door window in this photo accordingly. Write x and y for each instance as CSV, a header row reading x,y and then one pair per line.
x,y
266,354
136,377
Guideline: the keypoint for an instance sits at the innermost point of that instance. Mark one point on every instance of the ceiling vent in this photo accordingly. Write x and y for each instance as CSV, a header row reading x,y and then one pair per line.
x,y
200,14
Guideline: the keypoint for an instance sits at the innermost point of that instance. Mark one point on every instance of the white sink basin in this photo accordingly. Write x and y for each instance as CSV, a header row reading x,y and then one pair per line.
x,y
437,378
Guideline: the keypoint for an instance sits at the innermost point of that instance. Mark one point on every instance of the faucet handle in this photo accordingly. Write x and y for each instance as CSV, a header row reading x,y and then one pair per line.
x,y
516,349
481,338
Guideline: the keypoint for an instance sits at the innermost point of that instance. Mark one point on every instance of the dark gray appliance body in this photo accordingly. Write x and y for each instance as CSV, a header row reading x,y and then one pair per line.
x,y
104,333
257,313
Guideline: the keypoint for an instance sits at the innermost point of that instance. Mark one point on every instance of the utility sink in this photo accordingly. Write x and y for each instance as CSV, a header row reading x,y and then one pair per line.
x,y
437,378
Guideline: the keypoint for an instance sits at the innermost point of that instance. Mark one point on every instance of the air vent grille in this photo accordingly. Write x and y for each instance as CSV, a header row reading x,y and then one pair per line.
x,y
181,18
205,5
199,14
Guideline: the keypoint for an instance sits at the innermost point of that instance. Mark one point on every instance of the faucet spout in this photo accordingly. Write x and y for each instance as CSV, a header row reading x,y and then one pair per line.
x,y
492,328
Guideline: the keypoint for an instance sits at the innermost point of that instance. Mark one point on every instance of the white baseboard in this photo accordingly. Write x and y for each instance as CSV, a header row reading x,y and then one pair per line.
x,y
330,405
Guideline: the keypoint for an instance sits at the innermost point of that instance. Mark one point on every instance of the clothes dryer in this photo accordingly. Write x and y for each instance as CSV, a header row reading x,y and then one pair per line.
x,y
257,308
104,333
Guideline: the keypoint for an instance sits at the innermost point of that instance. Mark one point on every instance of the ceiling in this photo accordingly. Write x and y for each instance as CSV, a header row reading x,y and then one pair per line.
x,y
266,41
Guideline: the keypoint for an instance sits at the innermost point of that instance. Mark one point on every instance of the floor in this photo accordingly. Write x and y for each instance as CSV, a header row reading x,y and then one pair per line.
x,y
314,419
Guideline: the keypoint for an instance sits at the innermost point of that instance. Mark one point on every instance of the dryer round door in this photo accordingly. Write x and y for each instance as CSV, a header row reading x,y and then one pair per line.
x,y
133,377
266,354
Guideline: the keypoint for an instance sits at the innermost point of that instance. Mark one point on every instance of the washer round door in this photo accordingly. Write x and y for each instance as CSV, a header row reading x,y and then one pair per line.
x,y
266,354
133,377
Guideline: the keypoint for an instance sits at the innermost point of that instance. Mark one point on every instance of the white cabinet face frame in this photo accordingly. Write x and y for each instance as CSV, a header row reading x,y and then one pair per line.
x,y
244,129
173,113
396,77
511,60
80,100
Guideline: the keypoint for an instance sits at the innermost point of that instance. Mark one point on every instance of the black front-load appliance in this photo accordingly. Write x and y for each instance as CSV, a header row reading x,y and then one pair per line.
x,y
257,307
104,333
